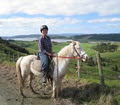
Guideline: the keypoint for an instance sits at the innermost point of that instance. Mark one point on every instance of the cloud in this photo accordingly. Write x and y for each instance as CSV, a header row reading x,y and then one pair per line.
x,y
20,21
60,7
104,20
20,25
113,25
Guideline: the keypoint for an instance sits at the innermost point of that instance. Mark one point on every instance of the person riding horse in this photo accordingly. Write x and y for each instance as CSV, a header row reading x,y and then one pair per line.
x,y
45,50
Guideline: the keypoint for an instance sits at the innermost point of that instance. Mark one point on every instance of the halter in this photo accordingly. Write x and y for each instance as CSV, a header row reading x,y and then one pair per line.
x,y
80,56
74,57
76,51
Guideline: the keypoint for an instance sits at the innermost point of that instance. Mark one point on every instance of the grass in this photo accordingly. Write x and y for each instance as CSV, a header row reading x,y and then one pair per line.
x,y
88,48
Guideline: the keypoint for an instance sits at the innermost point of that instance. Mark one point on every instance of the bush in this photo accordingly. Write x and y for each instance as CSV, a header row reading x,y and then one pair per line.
x,y
91,61
105,47
115,68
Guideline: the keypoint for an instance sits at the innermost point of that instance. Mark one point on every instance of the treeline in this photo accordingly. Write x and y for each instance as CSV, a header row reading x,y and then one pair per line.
x,y
7,47
105,47
107,37
97,37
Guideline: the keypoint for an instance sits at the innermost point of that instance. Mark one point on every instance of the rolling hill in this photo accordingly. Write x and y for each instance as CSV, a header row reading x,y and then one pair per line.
x,y
9,50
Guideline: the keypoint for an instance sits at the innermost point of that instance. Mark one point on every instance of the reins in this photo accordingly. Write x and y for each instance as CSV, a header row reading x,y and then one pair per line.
x,y
67,57
74,57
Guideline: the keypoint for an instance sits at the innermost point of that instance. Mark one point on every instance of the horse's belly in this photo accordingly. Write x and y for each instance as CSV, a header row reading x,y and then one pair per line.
x,y
36,66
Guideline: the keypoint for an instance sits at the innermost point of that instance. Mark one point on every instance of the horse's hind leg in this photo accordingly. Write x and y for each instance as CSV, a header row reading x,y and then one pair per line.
x,y
30,84
21,92
22,86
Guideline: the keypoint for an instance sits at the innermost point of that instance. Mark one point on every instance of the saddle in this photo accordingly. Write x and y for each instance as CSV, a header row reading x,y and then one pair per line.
x,y
37,65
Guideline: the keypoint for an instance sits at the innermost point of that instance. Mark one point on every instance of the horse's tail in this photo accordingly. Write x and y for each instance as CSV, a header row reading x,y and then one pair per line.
x,y
18,69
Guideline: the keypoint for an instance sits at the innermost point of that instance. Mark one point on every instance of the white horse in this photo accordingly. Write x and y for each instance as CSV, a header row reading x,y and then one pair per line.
x,y
25,66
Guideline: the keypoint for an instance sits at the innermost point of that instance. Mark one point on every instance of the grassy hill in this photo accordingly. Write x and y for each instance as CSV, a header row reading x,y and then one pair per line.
x,y
9,51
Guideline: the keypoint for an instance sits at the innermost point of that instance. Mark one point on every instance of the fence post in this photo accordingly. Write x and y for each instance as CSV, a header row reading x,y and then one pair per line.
x,y
18,56
57,90
9,56
78,67
100,69
13,57
4,57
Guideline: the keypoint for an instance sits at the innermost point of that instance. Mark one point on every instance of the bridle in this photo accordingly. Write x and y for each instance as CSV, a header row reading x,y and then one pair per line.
x,y
74,49
80,56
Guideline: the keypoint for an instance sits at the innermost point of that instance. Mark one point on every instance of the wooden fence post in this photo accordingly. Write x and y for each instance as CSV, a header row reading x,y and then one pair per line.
x,y
9,56
57,90
4,57
13,57
100,69
78,67
18,56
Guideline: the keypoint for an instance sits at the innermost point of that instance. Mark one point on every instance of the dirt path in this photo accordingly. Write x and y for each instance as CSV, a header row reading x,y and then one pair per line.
x,y
73,92
9,90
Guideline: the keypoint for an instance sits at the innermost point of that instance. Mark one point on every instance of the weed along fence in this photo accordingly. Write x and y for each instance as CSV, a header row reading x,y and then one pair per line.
x,y
100,69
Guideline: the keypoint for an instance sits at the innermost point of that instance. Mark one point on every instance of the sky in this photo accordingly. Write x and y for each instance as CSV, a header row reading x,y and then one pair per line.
x,y
23,17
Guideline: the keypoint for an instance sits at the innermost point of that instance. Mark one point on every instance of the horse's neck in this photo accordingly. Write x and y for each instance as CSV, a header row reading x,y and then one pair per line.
x,y
66,52
63,62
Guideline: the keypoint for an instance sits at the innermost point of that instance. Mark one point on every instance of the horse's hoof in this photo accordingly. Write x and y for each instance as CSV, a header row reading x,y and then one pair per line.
x,y
24,96
34,92
53,97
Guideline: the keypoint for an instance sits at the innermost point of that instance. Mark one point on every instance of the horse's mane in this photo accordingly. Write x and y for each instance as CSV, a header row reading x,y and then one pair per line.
x,y
64,51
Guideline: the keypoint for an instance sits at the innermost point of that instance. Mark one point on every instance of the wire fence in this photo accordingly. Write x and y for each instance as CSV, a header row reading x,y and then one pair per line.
x,y
11,57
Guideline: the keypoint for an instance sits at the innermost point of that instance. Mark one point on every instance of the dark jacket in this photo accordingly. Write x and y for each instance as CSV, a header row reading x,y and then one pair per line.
x,y
45,44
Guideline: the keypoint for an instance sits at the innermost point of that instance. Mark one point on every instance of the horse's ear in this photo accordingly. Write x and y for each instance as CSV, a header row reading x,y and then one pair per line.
x,y
73,42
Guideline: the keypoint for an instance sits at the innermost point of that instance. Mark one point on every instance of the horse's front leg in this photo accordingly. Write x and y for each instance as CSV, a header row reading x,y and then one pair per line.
x,y
60,86
54,90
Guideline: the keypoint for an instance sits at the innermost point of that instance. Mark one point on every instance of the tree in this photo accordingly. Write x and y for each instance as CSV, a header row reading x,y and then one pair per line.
x,y
105,47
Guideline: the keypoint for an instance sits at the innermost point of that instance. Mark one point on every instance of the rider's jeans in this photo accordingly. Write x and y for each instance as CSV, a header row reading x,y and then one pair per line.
x,y
44,59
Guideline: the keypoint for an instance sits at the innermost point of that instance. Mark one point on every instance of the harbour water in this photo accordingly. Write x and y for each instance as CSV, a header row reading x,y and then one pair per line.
x,y
33,39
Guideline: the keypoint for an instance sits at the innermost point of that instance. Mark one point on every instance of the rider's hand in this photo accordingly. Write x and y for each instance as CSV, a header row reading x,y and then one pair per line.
x,y
48,53
53,53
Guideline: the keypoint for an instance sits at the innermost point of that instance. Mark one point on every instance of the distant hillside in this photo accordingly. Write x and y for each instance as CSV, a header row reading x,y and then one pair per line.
x,y
97,37
110,37
79,37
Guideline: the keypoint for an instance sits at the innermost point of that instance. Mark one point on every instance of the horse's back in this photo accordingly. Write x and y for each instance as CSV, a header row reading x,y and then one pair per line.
x,y
26,61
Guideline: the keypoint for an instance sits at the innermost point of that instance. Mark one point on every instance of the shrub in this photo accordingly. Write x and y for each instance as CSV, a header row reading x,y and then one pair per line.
x,y
105,47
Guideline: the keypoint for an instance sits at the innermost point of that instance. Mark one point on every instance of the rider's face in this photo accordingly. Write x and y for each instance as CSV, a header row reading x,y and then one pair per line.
x,y
44,31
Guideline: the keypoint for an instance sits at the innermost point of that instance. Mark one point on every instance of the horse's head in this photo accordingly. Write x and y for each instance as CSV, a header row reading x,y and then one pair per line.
x,y
78,51
84,56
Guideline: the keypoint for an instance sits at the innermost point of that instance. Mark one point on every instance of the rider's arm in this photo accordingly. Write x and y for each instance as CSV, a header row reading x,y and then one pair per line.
x,y
40,45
